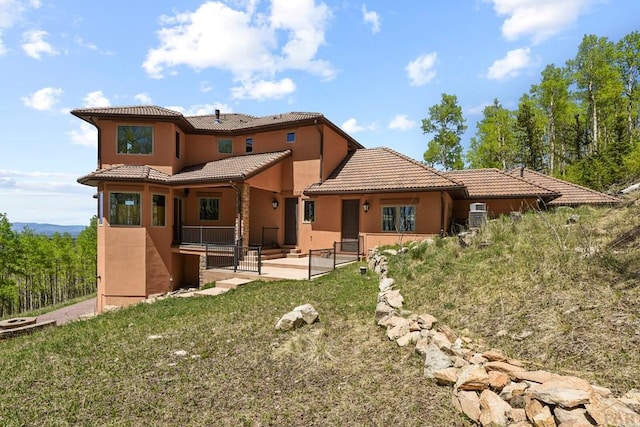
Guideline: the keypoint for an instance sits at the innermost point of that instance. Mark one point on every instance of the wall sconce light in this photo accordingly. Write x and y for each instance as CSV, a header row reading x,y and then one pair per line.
x,y
365,206
186,192
275,203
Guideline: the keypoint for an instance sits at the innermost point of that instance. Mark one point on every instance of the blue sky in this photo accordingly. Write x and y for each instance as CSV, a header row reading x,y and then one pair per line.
x,y
373,68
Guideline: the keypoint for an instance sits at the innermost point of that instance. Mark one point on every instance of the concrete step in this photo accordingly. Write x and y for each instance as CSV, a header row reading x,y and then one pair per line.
x,y
232,283
296,255
295,263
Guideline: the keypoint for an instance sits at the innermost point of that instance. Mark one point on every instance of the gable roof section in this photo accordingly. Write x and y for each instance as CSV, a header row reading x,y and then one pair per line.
x,y
571,194
382,170
496,184
228,124
236,168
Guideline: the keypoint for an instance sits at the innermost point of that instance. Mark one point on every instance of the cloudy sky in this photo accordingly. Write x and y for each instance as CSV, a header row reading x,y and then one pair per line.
x,y
373,68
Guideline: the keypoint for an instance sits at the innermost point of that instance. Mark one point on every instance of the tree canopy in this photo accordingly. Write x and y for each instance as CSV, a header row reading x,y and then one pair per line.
x,y
447,124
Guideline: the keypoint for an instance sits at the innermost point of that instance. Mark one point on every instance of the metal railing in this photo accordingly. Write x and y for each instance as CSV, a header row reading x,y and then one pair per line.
x,y
234,257
202,235
324,260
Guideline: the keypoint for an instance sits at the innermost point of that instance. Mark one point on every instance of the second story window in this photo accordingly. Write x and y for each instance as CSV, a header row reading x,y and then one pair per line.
x,y
135,140
291,137
248,145
177,145
225,146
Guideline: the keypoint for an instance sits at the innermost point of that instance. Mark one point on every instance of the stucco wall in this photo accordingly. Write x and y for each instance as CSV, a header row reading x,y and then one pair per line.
x,y
495,207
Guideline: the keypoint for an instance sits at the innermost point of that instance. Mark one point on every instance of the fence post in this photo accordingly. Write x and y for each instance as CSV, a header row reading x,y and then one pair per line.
x,y
335,246
309,264
201,239
259,260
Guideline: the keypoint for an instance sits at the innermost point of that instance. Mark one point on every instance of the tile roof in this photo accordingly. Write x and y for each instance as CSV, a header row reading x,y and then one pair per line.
x,y
382,169
231,168
494,183
231,122
133,110
571,194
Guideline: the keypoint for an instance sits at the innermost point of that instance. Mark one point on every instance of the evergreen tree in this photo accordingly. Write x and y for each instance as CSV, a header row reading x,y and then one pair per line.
x,y
447,124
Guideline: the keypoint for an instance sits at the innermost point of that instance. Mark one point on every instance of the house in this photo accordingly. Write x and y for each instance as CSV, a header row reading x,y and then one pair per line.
x,y
174,191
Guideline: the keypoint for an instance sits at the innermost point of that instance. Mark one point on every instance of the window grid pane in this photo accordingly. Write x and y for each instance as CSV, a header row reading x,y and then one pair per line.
x,y
389,218
309,211
209,209
124,208
135,139
225,146
158,210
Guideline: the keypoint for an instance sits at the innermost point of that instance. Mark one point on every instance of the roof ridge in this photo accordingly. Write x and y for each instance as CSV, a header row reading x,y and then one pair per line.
x,y
421,164
562,181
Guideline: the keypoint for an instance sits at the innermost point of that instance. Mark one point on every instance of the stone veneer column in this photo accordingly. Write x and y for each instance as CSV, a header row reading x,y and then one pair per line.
x,y
245,217
203,267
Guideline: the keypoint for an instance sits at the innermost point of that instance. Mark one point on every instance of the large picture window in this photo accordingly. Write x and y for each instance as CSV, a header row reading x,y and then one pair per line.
x,y
158,210
135,139
209,209
124,208
399,219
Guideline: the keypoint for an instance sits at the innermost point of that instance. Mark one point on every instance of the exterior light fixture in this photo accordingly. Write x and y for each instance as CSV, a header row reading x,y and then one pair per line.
x,y
275,203
365,206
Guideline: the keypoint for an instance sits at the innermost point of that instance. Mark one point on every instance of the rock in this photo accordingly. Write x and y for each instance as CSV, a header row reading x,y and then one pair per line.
x,y
610,411
602,391
440,339
630,398
472,377
391,252
544,418
575,417
394,299
469,403
303,314
400,329
180,353
493,410
494,356
308,313
435,360
535,376
448,333
383,309
565,391
516,415
426,321
520,424
446,376
503,367
421,345
498,380
478,359
386,284
532,407
386,321
513,389
407,339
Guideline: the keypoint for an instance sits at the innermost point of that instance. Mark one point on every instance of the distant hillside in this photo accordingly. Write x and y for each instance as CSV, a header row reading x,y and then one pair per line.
x,y
48,229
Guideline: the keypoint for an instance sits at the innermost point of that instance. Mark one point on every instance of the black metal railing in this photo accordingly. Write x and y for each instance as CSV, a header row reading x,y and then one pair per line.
x,y
202,235
324,260
234,257
269,237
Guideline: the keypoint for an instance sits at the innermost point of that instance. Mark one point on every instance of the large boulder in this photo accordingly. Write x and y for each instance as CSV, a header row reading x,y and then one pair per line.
x,y
299,316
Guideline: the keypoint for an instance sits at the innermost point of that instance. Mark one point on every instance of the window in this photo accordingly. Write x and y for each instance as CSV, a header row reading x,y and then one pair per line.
x,y
158,210
309,210
124,208
291,137
135,140
177,145
209,209
225,146
100,207
248,146
399,218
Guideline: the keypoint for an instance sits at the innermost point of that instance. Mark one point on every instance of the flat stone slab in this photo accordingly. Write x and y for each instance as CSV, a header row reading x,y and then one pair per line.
x,y
232,283
211,291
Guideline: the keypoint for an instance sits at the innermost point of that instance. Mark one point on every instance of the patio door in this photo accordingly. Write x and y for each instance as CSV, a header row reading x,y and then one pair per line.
x,y
291,221
178,220
350,225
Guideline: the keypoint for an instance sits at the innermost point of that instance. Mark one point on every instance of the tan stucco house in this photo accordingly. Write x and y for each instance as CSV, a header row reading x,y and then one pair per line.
x,y
167,184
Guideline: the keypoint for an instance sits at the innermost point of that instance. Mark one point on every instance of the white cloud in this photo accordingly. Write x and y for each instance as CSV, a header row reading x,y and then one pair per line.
x,y
205,87
3,49
85,135
201,109
402,122
372,18
143,98
252,46
420,71
510,65
538,19
263,89
476,109
96,99
34,45
44,99
352,126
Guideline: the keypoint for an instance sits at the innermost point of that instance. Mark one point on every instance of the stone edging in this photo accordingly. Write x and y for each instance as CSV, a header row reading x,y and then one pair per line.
x,y
488,387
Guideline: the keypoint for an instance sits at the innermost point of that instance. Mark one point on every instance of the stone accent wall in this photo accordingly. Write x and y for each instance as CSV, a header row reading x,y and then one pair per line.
x,y
202,269
245,216
488,387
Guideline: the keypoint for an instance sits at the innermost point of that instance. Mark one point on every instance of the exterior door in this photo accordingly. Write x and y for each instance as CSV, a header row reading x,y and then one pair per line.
x,y
291,221
350,225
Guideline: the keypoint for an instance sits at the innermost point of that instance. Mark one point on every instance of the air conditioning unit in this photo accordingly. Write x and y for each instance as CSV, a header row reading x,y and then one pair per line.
x,y
478,207
477,218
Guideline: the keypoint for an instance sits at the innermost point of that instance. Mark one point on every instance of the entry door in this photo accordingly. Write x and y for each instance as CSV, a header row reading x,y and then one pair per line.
x,y
291,221
350,225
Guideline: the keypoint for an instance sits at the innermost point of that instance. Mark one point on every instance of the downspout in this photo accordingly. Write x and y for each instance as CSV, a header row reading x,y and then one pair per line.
x,y
319,128
442,232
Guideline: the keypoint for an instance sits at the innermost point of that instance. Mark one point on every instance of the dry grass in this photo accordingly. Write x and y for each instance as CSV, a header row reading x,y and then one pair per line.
x,y
545,290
